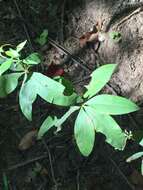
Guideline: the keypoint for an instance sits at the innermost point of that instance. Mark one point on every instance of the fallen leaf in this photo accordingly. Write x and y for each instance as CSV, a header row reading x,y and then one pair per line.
x,y
28,140
92,36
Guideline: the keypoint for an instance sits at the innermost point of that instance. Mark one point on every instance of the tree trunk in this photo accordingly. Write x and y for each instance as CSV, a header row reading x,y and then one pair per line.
x,y
128,54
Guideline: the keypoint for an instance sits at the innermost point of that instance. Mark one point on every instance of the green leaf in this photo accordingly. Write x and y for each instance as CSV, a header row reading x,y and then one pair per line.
x,y
2,60
113,105
43,38
5,66
48,89
47,124
20,46
27,95
106,125
116,36
98,79
5,182
84,133
8,83
141,142
134,156
12,53
32,59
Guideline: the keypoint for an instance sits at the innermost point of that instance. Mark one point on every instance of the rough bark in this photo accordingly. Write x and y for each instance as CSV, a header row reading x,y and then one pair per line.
x,y
128,54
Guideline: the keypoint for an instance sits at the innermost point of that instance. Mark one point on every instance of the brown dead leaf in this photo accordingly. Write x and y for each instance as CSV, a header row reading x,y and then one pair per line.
x,y
28,140
91,37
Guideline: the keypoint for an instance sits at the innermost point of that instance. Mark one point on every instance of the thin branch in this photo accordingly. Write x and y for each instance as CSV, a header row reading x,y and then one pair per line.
x,y
73,57
51,164
26,162
24,25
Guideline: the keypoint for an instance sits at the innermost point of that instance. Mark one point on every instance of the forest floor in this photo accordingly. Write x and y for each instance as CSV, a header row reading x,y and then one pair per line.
x,y
55,162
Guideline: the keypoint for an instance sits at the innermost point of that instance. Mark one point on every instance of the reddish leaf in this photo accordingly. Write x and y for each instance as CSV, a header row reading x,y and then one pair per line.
x,y
54,70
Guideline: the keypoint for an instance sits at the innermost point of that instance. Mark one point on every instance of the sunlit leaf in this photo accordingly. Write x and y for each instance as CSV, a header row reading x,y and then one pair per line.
x,y
46,125
48,89
27,96
32,59
106,125
20,46
134,156
113,105
8,83
98,79
2,60
12,53
5,66
84,133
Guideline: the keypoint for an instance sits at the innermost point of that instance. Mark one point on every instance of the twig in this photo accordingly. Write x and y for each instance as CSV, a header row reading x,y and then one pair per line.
x,y
129,16
51,164
74,58
26,162
62,21
24,25
77,179
121,173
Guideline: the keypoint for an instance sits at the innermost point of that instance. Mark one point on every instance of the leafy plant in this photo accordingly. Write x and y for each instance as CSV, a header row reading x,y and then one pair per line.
x,y
94,114
137,156
94,111
33,84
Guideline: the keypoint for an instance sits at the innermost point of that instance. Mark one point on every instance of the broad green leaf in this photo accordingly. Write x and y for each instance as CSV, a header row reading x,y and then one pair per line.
x,y
2,60
113,105
134,156
98,79
32,59
48,89
20,46
106,125
8,83
84,133
52,91
5,66
12,53
43,38
47,124
141,142
66,115
27,95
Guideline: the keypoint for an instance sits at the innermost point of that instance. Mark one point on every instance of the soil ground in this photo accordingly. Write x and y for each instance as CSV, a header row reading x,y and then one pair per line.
x,y
61,165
